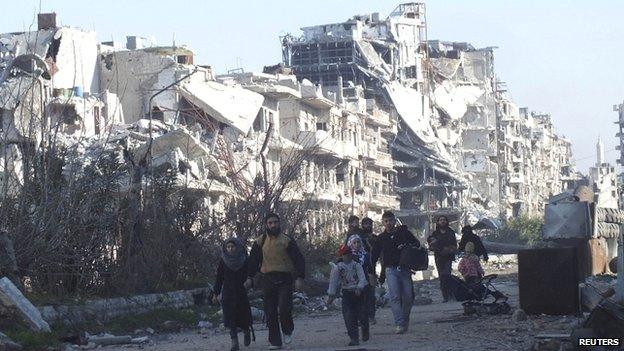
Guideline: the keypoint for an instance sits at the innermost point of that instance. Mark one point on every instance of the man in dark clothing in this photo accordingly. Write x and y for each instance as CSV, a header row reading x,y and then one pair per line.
x,y
354,227
279,259
366,233
368,238
388,246
444,246
469,236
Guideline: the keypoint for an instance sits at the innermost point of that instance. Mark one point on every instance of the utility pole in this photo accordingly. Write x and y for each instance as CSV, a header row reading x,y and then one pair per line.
x,y
619,291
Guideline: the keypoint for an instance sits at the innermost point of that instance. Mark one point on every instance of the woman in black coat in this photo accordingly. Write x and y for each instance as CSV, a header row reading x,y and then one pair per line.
x,y
229,289
469,236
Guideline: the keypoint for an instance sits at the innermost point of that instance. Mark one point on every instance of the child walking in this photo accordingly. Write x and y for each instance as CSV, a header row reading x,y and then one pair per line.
x,y
229,289
350,276
361,256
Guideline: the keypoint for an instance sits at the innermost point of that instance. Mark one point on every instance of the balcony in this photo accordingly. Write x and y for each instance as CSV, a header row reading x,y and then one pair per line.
x,y
378,118
312,95
384,201
350,151
369,150
381,160
325,196
321,142
516,178
390,131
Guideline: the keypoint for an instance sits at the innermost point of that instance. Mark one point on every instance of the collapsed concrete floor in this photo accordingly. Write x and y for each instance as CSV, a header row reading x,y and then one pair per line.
x,y
434,326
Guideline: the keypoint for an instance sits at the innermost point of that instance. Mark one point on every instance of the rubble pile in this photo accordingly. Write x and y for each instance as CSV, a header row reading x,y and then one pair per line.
x,y
387,119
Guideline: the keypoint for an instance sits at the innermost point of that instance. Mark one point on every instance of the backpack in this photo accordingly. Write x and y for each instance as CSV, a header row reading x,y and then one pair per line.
x,y
414,258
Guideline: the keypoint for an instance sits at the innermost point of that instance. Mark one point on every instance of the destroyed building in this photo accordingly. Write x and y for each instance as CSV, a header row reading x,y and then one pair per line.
x,y
463,149
387,119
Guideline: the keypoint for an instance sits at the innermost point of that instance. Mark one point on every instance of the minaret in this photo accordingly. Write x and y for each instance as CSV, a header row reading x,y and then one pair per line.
x,y
599,153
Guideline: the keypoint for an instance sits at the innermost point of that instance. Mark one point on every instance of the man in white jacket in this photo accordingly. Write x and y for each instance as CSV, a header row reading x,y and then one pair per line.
x,y
349,275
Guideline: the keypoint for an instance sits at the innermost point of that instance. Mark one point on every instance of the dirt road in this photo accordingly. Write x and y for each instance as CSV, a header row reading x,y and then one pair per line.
x,y
437,326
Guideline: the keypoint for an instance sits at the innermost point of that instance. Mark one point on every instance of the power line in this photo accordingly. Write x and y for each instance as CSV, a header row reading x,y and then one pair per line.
x,y
585,158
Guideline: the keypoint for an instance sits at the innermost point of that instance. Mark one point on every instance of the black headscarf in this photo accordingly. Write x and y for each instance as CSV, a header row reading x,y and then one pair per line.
x,y
237,260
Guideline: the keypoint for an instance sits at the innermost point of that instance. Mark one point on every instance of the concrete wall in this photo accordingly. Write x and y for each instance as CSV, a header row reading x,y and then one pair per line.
x,y
135,76
77,60
104,310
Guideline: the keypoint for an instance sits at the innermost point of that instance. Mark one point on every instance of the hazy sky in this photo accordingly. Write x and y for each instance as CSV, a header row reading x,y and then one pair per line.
x,y
558,56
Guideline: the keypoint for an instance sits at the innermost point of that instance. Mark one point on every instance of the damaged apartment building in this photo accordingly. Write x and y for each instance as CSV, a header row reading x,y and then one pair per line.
x,y
151,102
386,119
462,148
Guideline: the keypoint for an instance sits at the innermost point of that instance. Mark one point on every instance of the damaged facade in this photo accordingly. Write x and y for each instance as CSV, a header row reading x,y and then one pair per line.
x,y
388,120
463,149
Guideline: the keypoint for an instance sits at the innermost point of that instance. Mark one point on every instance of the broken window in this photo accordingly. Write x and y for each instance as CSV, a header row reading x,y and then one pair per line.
x,y
185,59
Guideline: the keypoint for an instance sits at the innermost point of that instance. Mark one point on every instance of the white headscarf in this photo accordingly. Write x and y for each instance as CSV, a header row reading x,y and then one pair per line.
x,y
359,254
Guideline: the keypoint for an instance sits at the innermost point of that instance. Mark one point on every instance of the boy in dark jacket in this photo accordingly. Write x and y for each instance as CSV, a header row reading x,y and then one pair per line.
x,y
349,275
229,289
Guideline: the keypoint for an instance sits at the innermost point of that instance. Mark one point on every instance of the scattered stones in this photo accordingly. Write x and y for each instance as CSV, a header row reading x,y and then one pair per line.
x,y
257,314
519,316
140,340
89,346
546,345
421,301
171,326
108,339
205,325
68,347
7,344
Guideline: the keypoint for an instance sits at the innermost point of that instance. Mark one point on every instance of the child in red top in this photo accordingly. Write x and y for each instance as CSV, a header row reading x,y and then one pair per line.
x,y
469,266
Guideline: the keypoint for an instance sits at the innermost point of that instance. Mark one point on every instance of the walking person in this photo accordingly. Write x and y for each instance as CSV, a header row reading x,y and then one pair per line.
x,y
230,291
361,256
278,258
366,233
444,246
371,239
349,275
354,227
388,246
469,236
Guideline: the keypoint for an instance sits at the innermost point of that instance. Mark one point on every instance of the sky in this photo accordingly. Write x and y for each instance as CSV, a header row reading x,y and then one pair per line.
x,y
563,57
